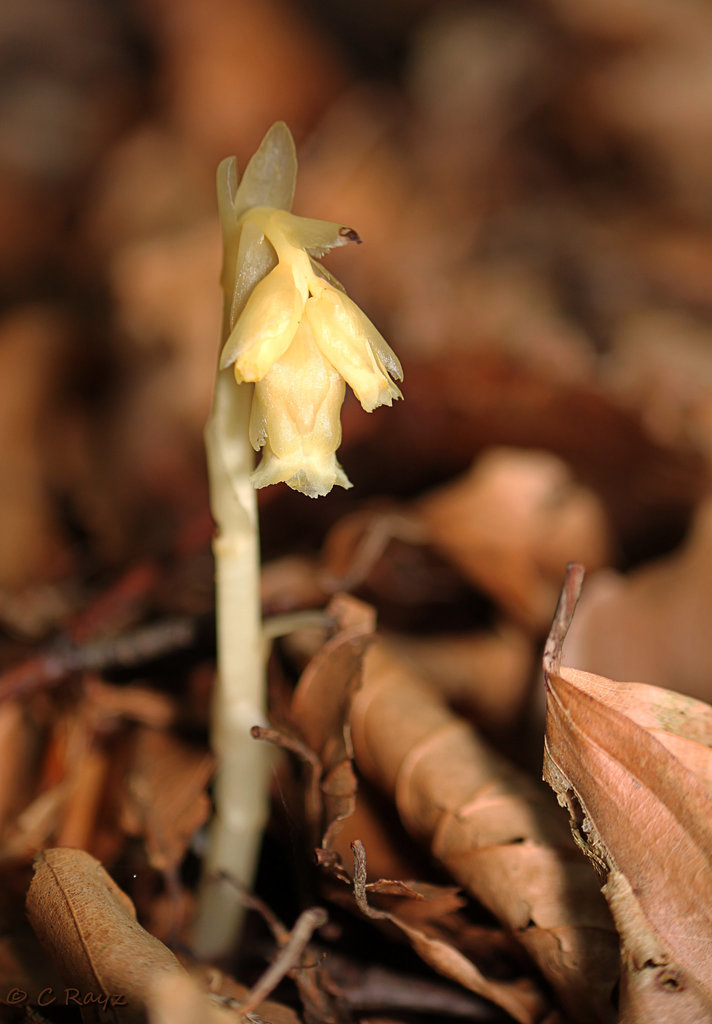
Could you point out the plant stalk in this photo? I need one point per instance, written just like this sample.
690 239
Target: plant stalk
241 787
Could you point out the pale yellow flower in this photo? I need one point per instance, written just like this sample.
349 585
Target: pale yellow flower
292 331
299 436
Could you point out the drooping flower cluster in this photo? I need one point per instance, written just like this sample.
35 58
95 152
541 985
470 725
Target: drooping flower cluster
299 338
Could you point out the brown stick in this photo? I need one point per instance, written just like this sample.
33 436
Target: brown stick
563 616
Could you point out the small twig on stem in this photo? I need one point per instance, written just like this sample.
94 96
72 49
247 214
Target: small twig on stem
312 796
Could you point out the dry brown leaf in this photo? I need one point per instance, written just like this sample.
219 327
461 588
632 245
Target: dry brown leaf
322 721
108 963
225 987
493 829
513 523
19 739
165 798
488 674
386 857
135 703
179 1000
320 711
65 796
654 624
89 928
31 342
521 1001
633 764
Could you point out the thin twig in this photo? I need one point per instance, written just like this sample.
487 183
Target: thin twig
253 902
126 651
276 626
568 599
312 797
380 989
287 960
360 883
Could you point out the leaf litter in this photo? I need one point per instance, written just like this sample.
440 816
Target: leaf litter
538 234
617 753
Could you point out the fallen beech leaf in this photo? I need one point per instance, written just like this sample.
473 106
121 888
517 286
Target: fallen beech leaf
486 674
18 741
320 711
135 703
388 855
225 987
521 1001
68 789
165 798
654 624
89 928
513 523
179 1000
490 826
633 764
322 721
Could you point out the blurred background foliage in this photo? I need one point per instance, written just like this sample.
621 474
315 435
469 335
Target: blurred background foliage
531 181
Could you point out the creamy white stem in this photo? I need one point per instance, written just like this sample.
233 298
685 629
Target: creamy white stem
241 788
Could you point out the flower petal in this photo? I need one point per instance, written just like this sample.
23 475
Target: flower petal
271 174
266 326
295 418
326 275
317 237
253 261
314 477
354 347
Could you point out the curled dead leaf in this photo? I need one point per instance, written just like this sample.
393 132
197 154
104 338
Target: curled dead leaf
320 711
653 624
521 1001
633 765
512 523
407 740
486 674
491 827
89 928
165 800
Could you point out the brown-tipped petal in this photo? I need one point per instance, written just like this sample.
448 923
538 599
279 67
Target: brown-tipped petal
317 237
